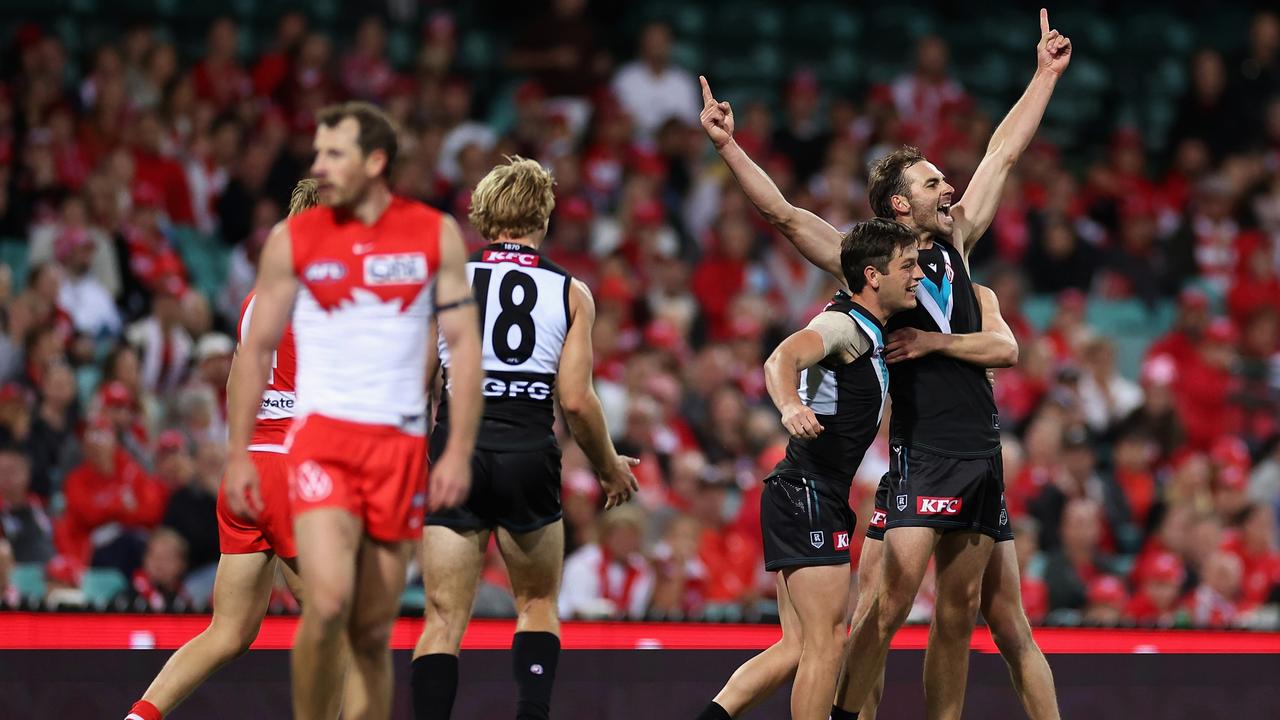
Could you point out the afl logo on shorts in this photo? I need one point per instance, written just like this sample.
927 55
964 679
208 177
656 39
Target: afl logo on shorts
311 482
816 539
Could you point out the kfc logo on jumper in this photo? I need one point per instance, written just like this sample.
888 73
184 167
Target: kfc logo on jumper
312 482
397 269
842 540
519 258
937 505
878 519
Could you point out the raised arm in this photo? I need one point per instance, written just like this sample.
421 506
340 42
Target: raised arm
581 405
993 347
974 212
803 349
274 294
459 326
814 237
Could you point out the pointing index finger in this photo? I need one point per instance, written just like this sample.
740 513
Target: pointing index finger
1044 22
707 97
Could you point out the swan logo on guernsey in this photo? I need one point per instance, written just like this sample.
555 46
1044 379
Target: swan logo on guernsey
313 483
395 269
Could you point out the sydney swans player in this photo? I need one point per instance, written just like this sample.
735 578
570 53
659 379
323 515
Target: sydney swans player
946 479
249 546
358 274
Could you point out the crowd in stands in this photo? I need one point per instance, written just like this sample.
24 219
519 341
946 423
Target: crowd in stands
1144 494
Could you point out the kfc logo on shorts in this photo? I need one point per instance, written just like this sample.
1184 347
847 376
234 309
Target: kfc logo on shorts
902 503
395 269
842 540
878 519
937 505
312 483
519 258
816 539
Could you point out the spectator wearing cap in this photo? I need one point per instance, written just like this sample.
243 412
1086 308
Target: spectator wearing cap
193 499
1069 570
1215 602
1158 415
609 578
82 294
1206 386
51 442
48 239
1231 464
1253 540
117 406
110 500
1159 580
212 358
570 241
1107 599
652 89
152 260
23 519
163 343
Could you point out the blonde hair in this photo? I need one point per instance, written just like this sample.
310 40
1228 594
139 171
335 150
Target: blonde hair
306 194
515 198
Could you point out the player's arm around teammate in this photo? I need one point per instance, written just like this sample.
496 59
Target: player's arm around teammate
993 347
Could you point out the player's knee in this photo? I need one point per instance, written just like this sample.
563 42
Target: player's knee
956 616
1009 627
327 607
370 639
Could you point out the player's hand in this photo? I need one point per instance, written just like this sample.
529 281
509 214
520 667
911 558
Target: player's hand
450 481
244 494
618 482
800 421
1053 53
717 117
909 344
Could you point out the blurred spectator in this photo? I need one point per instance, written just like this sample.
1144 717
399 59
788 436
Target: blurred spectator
1058 259
109 498
680 575
23 519
732 558
803 138
219 78
1208 107
1215 601
1254 542
193 499
1035 594
1182 341
923 97
51 442
1158 415
1106 397
1159 590
1107 599
366 73
50 240
1069 571
609 578
162 341
9 596
91 306
157 584
1206 386
651 89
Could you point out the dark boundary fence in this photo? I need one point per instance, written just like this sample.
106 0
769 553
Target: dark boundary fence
645 684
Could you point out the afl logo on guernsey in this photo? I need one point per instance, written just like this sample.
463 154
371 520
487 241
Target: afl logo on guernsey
396 269
322 271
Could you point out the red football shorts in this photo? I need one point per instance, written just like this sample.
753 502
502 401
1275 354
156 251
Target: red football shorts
376 472
273 528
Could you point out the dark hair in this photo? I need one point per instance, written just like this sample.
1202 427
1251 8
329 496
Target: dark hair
377 131
872 243
886 179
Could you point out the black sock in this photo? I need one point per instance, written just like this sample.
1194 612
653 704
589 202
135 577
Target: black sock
713 711
838 714
533 661
434 682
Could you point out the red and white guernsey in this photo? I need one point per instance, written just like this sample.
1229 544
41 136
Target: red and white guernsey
280 400
362 311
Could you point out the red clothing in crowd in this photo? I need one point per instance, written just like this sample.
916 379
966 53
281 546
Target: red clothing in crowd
1143 610
731 558
716 282
127 496
1178 345
1035 598
1261 572
165 177
222 84
1204 402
